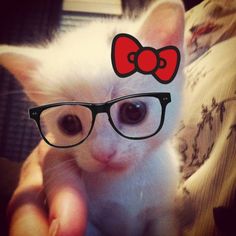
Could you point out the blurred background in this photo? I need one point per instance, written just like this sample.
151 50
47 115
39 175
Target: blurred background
31 22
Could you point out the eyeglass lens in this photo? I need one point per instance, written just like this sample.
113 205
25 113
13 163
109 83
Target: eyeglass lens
137 117
66 125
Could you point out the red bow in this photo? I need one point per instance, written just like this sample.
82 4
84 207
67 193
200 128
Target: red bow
128 56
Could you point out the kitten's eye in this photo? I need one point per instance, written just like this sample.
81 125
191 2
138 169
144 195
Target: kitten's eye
132 113
70 124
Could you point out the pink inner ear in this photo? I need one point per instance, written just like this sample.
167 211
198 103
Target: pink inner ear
22 67
19 65
164 25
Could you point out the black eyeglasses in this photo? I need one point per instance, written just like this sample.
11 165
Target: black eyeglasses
67 124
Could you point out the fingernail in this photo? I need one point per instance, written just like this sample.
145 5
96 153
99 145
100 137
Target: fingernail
54 227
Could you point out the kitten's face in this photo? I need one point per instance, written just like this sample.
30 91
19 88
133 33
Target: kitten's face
78 67
92 79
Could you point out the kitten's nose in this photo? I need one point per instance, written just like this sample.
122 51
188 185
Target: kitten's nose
104 156
103 140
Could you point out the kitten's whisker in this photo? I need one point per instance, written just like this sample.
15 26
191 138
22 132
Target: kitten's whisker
38 93
48 181
11 93
23 93
59 165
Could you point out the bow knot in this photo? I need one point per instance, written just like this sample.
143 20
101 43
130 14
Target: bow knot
128 56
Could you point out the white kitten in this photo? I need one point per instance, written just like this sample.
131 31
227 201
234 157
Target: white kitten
132 193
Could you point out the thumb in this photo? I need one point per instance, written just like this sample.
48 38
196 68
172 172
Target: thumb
66 195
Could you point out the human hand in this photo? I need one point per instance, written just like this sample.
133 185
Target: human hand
50 198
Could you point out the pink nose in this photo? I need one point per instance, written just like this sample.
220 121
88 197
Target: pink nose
104 157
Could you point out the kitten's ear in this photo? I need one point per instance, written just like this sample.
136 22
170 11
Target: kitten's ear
21 62
163 24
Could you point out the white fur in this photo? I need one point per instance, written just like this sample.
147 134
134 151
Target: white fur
138 185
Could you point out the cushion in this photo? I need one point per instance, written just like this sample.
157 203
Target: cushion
207 134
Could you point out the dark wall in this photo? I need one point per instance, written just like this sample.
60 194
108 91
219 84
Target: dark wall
21 22
28 21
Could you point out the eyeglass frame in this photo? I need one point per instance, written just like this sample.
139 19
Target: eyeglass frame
96 108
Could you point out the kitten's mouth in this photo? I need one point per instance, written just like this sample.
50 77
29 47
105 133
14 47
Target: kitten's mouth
112 166
115 167
97 166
